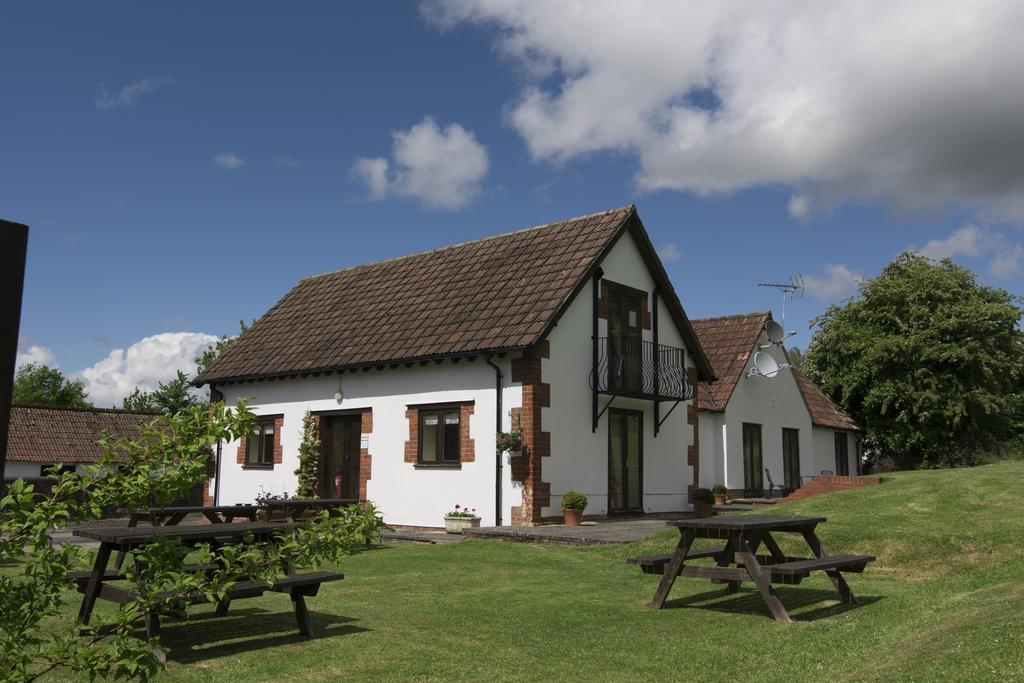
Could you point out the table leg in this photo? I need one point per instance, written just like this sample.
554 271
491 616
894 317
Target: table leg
777 555
133 519
213 517
727 557
176 519
761 580
672 569
845 594
92 589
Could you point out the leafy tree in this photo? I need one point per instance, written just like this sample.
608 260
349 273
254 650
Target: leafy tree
172 396
930 362
309 458
42 385
214 350
165 461
796 356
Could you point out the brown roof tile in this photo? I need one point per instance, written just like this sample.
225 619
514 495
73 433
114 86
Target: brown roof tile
824 412
56 434
728 342
498 293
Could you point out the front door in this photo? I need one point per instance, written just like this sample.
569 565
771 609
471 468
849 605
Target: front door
791 457
753 480
625 460
625 372
340 471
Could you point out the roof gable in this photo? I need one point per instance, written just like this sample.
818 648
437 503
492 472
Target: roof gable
824 413
53 434
499 293
728 342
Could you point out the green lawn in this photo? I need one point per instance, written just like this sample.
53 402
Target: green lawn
945 601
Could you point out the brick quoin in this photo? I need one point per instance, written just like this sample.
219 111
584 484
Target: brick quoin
527 467
693 419
365 460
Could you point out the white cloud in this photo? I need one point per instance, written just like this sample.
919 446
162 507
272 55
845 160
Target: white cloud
443 168
228 160
129 94
669 252
836 282
975 242
36 354
1007 263
799 206
144 364
912 104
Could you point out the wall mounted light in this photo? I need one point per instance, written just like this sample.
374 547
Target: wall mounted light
339 395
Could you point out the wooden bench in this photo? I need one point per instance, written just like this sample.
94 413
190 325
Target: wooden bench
655 564
298 586
796 571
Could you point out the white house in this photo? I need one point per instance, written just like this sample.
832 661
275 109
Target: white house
570 330
750 423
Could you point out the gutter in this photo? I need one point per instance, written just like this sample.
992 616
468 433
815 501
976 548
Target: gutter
497 428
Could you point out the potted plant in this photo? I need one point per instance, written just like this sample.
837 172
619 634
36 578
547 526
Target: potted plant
461 518
573 503
704 502
720 494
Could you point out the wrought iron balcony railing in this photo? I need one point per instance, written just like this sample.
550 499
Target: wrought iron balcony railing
627 366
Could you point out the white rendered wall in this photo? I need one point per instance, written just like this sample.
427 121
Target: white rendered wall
825 451
29 470
711 427
579 458
773 403
405 494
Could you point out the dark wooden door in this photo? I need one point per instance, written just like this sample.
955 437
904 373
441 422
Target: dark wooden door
341 435
842 455
625 460
625 339
791 457
753 472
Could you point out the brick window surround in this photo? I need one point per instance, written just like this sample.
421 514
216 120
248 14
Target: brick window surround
243 444
467 446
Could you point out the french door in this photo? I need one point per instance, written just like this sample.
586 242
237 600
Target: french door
625 460
791 458
753 469
339 474
625 340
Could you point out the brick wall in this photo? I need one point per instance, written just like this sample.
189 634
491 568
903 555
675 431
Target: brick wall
528 466
827 483
693 418
366 427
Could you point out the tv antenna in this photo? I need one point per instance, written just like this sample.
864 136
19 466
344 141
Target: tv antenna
791 290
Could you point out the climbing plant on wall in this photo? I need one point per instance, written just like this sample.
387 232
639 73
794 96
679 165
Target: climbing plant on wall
309 457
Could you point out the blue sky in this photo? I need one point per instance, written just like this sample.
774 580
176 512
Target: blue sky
181 165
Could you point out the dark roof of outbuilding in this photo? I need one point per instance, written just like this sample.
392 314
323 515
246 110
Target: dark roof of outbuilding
824 413
58 434
497 294
727 341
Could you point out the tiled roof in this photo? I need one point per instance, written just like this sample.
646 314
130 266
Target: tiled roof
500 293
55 434
824 412
728 342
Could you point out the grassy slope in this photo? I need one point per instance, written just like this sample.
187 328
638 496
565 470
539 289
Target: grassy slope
944 601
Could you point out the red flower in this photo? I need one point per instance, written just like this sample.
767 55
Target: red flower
456 507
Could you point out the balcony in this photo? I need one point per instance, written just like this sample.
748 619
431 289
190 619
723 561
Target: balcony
631 367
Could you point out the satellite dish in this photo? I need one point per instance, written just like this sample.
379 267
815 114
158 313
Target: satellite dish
765 366
774 332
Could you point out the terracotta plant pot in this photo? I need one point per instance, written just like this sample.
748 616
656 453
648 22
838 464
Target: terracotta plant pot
456 525
721 498
704 509
572 517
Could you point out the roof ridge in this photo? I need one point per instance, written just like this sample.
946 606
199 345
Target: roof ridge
734 315
90 409
467 242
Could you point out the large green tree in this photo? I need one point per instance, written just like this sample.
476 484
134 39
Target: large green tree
42 385
171 396
928 360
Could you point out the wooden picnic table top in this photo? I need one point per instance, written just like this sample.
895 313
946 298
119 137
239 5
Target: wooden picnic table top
747 522
126 536
177 509
310 502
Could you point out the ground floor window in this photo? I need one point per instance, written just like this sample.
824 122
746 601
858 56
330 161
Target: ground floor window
791 457
260 450
753 469
439 436
842 455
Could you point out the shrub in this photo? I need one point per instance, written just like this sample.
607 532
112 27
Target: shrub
703 497
574 500
719 488
462 511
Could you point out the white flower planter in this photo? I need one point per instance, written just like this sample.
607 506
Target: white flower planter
455 525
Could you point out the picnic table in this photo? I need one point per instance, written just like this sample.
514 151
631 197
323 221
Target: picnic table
96 583
743 535
294 507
